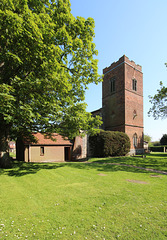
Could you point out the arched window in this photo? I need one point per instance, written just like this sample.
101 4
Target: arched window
135 140
112 84
134 84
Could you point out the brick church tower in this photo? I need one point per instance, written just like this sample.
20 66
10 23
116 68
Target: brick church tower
122 100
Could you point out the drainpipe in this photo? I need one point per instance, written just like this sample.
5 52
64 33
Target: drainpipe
29 156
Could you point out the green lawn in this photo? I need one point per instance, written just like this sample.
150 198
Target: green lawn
13 155
84 200
157 161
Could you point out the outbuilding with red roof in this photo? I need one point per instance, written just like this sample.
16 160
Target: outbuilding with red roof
45 149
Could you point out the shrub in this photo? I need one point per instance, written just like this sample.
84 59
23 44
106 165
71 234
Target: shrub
108 143
155 143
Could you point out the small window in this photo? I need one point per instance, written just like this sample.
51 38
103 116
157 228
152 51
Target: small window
113 84
135 140
134 114
134 84
42 151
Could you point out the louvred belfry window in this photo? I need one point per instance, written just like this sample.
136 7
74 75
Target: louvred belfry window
134 84
112 84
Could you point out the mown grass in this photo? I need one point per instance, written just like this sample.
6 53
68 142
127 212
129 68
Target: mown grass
82 201
157 161
12 154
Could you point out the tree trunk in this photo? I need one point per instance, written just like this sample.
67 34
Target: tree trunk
5 159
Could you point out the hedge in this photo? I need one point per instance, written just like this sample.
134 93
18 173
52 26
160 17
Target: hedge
109 143
157 148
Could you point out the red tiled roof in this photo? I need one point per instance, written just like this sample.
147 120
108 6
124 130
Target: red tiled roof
44 140
12 144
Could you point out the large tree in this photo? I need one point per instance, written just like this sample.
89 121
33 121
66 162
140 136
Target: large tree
163 140
147 138
47 59
159 103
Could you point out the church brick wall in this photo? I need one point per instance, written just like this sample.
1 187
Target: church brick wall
123 108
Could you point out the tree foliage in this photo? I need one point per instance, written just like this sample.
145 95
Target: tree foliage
163 140
159 103
147 138
47 60
109 143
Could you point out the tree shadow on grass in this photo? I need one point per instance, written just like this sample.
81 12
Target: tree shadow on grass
20 169
158 154
106 167
112 164
138 161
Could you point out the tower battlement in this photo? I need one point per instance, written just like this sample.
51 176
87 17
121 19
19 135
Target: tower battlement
122 60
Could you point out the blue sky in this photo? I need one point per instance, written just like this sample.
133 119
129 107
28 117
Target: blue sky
138 30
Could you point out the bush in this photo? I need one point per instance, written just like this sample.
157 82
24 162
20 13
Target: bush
157 143
107 143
